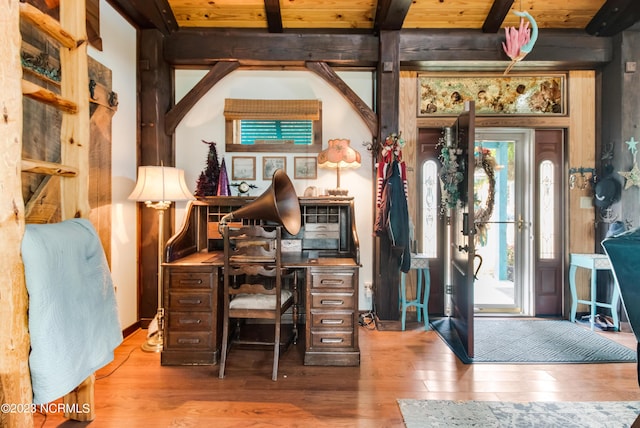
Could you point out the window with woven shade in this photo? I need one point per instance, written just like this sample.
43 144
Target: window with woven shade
273 125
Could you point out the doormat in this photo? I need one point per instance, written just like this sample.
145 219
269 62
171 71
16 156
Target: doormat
440 413
533 341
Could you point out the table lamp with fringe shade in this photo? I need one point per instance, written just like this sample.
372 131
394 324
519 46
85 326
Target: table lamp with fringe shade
158 187
339 155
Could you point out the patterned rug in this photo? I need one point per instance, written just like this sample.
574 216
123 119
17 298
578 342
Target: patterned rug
534 341
490 414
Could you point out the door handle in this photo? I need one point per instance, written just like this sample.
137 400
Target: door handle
520 223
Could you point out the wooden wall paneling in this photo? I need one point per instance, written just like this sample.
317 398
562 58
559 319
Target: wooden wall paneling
14 335
100 193
581 153
408 105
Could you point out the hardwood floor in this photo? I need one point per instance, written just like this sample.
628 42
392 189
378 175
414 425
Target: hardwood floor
136 391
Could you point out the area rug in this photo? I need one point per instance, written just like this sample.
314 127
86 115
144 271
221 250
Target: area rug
534 341
486 414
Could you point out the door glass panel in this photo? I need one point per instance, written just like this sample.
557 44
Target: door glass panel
430 209
495 238
546 211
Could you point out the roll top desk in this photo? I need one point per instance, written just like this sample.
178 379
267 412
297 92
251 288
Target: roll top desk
326 253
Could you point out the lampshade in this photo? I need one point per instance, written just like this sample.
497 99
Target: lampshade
339 154
160 183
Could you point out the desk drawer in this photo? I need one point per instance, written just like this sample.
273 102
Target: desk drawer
332 279
191 301
331 339
331 320
332 301
193 340
191 280
189 321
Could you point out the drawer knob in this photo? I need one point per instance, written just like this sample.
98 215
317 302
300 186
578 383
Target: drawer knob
332 302
331 340
184 341
190 281
189 321
331 322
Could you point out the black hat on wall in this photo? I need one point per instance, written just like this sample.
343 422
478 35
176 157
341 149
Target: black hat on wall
606 192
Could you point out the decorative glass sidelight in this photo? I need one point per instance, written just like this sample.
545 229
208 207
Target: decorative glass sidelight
546 211
430 208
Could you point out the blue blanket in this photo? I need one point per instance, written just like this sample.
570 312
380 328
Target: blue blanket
73 317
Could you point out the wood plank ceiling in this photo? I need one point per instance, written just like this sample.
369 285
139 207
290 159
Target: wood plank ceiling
596 17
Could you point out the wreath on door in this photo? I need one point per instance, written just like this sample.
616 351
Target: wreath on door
484 209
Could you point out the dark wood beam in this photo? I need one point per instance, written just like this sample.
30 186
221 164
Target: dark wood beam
204 47
274 17
418 48
613 17
323 70
217 72
386 264
495 18
390 14
155 98
568 47
147 14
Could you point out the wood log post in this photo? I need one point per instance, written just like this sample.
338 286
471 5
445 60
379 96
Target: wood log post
79 403
75 129
15 381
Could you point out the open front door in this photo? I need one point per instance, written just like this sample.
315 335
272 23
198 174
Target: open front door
461 240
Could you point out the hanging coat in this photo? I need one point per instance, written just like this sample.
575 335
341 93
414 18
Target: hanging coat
392 217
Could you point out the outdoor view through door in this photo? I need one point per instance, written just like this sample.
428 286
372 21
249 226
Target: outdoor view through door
502 183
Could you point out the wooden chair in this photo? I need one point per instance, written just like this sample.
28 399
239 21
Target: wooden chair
253 289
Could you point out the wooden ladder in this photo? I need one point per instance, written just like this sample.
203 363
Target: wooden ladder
73 168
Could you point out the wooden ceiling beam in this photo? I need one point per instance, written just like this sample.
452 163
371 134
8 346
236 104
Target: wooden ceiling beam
323 70
215 74
204 47
613 17
147 14
496 16
390 15
554 47
274 17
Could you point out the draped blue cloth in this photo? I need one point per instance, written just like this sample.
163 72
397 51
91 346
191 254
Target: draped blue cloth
73 317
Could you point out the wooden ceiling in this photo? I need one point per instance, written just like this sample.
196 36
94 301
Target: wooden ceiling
597 17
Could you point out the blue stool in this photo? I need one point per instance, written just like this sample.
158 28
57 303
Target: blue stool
419 263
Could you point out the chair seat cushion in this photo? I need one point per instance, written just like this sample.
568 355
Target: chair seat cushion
259 301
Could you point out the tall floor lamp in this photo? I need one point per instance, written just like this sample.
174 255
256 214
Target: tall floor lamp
157 187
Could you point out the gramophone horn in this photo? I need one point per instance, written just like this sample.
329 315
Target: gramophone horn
279 203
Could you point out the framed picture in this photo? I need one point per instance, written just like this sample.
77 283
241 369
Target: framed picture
243 168
270 164
305 167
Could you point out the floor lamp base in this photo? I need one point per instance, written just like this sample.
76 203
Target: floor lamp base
153 344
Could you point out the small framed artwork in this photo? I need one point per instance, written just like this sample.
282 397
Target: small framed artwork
305 167
243 168
270 164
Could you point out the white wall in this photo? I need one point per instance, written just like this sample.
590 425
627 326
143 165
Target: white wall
119 55
205 121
